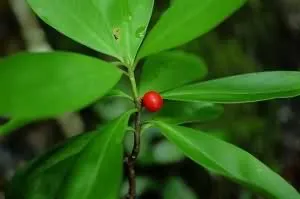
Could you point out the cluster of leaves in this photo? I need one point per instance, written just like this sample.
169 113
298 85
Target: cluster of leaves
36 86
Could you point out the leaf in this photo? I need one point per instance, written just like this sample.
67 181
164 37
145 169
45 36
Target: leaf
177 189
186 20
113 27
187 112
228 160
119 93
42 85
250 87
46 169
97 173
165 71
12 125
87 166
165 152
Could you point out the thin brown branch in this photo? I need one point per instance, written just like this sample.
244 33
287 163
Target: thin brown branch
130 160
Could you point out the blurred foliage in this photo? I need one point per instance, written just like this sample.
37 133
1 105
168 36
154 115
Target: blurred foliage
177 189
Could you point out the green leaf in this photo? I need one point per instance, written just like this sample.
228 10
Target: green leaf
119 93
250 87
12 125
87 166
186 20
228 160
113 27
97 173
187 112
42 85
46 169
165 71
177 189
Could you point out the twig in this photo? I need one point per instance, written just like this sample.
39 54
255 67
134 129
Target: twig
130 160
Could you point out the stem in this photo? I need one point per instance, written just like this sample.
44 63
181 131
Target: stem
130 160
133 87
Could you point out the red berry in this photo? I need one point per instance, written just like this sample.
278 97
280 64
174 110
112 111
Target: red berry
152 101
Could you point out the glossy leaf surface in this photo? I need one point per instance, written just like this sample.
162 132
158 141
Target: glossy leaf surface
188 112
228 160
87 166
250 87
113 27
169 70
41 85
186 20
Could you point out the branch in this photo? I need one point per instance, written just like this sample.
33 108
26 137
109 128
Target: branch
130 160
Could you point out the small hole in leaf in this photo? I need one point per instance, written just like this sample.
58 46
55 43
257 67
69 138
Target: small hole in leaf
117 33
140 32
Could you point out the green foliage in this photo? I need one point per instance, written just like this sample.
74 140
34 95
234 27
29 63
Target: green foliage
164 71
11 125
188 112
42 85
113 27
118 93
225 159
36 178
87 166
35 86
185 21
224 57
162 152
250 87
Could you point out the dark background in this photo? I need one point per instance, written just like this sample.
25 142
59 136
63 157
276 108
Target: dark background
262 36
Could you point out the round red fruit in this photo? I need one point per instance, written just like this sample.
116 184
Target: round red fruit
152 101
